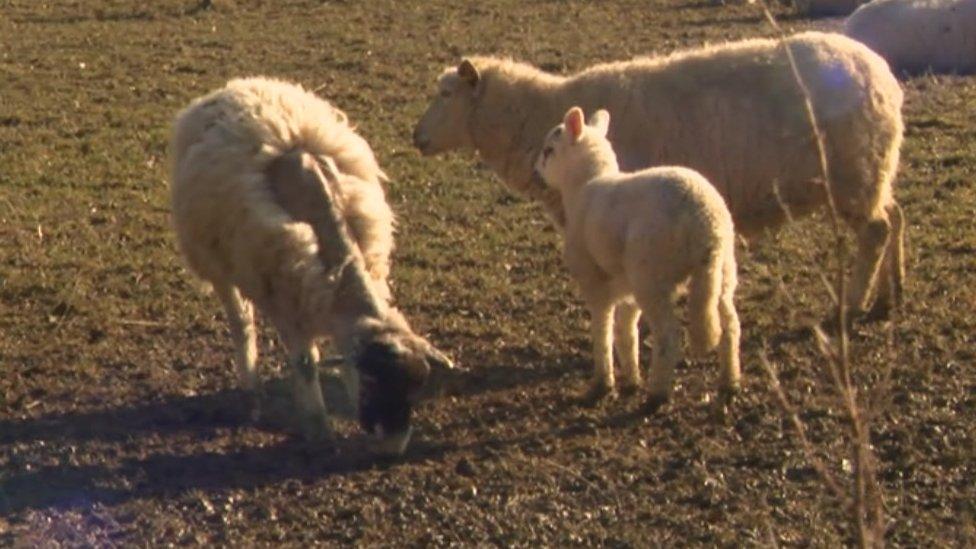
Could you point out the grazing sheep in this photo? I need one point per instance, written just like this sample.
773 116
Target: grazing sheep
919 35
733 112
639 237
278 202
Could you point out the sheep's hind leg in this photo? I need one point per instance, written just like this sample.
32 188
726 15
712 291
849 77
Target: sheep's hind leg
666 335
872 237
892 273
728 346
240 316
601 328
626 342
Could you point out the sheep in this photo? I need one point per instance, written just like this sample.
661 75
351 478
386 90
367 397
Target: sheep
278 205
733 112
919 35
632 240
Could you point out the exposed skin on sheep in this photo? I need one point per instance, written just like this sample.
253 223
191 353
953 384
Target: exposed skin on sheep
733 112
632 242
279 205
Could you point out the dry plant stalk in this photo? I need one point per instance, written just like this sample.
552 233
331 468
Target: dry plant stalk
866 505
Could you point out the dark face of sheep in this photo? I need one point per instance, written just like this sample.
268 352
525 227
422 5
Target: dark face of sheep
393 375
444 126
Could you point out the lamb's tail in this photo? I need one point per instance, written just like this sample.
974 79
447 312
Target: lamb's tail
704 292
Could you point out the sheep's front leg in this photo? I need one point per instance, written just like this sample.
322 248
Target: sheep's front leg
601 328
240 316
303 358
309 404
626 342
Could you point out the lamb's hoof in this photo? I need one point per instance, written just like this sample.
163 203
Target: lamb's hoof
724 404
596 393
628 387
653 404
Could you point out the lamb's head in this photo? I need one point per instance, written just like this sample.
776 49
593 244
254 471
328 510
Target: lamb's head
444 126
389 371
576 151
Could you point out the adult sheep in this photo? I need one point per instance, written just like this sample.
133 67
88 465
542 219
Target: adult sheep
919 35
733 112
277 202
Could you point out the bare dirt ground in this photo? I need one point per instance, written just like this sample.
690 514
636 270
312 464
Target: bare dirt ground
120 423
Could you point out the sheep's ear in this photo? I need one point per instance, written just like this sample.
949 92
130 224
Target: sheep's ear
574 123
439 368
468 73
600 121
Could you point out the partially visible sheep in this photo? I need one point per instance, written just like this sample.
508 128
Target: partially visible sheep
640 237
919 35
733 112
278 202
827 8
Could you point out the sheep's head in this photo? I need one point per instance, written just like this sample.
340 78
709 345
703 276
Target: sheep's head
574 147
393 369
444 126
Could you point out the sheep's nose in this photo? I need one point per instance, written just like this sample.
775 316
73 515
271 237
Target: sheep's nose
420 141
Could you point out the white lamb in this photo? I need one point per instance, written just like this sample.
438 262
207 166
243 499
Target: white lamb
640 237
733 112
268 184
919 35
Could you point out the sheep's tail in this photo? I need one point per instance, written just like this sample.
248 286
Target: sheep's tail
704 291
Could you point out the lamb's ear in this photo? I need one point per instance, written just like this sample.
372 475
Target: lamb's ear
574 123
468 73
600 121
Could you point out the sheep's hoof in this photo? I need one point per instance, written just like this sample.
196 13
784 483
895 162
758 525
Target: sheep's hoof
254 409
317 429
654 403
830 324
629 387
724 403
596 393
880 312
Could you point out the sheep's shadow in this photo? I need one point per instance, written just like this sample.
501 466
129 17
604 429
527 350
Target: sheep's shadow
521 366
26 485
172 474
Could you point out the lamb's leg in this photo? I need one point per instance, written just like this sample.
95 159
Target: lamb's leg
666 334
303 359
728 345
892 273
601 329
240 316
872 237
626 342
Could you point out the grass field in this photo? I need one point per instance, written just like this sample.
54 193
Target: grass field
119 415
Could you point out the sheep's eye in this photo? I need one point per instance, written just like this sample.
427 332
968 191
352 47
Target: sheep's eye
547 152
445 93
